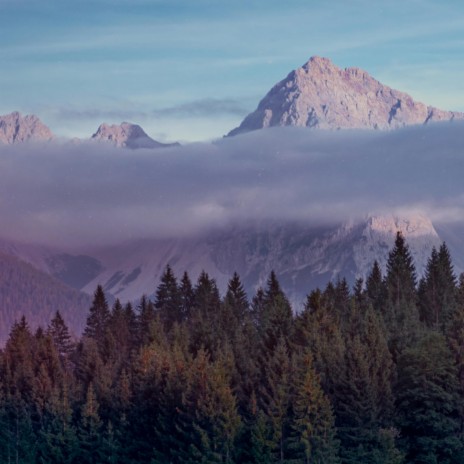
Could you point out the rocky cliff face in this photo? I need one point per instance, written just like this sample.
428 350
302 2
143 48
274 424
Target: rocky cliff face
321 95
302 256
15 128
126 135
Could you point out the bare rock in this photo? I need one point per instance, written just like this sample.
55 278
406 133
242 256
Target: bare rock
127 135
15 128
321 95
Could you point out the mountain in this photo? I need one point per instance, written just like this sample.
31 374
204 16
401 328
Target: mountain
321 95
302 256
24 290
127 135
74 270
15 128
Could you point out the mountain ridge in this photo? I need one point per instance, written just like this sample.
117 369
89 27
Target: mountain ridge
15 128
127 135
320 95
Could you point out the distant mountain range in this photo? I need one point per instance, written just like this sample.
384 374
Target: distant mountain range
319 95
302 256
15 128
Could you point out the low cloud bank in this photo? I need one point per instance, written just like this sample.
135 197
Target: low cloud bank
92 194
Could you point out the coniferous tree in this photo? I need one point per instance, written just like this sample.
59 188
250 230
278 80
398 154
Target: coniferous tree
276 321
363 397
187 296
376 288
98 319
437 290
90 430
274 397
145 319
61 337
168 299
318 330
235 307
204 321
429 402
312 435
208 419
400 312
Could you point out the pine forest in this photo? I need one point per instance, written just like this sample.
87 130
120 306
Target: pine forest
372 374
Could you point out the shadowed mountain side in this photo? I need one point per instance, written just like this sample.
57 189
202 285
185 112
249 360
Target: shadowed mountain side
27 291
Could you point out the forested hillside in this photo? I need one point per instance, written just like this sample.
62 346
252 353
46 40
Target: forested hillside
373 374
26 291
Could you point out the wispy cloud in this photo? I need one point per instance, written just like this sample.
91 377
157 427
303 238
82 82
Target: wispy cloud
207 107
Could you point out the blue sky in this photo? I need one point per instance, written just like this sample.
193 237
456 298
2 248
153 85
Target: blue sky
191 70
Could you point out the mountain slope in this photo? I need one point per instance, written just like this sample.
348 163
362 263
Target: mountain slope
302 256
321 95
15 128
24 290
127 135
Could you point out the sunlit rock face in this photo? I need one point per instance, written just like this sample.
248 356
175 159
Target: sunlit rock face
126 135
15 128
320 95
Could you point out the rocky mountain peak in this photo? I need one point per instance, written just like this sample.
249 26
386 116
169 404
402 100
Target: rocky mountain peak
412 225
323 96
15 128
126 135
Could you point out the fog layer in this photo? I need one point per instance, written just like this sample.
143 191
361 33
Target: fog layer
92 194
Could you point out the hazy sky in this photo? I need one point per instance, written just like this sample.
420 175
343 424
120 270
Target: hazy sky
190 70
96 194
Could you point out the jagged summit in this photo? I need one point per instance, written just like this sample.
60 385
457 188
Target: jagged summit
321 95
15 128
127 135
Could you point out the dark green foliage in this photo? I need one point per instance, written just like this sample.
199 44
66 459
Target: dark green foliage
354 378
376 289
400 311
363 398
59 333
437 290
312 434
204 320
168 299
145 319
98 320
429 402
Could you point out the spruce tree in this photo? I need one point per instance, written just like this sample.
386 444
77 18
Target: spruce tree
363 397
145 319
168 299
429 402
61 337
400 313
376 288
437 290
98 319
90 430
312 435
